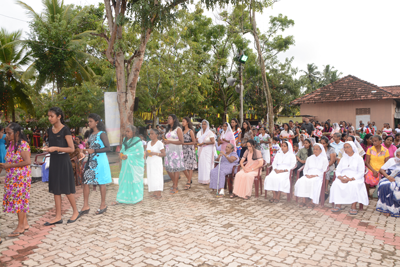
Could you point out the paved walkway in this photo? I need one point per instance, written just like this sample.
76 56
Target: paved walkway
194 228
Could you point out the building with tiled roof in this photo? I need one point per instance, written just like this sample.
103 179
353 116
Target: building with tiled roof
352 100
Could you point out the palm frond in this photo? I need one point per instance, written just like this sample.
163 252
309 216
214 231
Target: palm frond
30 12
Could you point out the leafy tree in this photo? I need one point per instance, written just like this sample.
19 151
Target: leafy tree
13 56
57 44
313 79
147 16
173 73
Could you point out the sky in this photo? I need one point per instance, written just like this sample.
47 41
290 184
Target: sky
357 37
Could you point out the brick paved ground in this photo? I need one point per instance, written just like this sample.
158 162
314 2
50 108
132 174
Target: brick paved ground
194 228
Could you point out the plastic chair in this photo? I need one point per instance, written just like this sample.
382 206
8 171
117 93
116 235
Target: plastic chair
360 206
288 195
322 193
257 179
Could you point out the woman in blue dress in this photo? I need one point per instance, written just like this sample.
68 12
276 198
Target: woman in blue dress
2 145
97 168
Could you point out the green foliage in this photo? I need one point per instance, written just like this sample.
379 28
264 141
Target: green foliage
13 56
312 79
77 103
57 41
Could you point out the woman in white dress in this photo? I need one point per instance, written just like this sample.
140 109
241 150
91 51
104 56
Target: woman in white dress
348 187
265 140
279 179
309 186
206 143
154 164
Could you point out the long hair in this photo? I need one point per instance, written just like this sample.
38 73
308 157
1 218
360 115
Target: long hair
100 124
248 128
190 124
253 144
16 128
237 125
309 150
174 125
58 111
326 140
329 126
366 137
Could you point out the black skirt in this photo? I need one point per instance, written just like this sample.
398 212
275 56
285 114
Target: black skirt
61 175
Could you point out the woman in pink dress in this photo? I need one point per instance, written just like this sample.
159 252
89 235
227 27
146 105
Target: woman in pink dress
245 178
388 143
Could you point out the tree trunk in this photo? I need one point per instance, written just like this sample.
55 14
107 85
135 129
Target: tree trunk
225 112
266 90
154 112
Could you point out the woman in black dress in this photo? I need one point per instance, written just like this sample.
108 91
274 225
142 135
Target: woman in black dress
61 174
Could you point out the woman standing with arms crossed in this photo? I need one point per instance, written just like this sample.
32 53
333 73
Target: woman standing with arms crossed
155 152
237 133
61 174
174 153
189 156
130 181
97 169
17 184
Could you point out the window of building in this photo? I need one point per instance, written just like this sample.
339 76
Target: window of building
363 111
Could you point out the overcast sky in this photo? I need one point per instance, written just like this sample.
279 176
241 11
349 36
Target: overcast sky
357 37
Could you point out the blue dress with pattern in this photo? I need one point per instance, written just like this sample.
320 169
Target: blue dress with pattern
97 168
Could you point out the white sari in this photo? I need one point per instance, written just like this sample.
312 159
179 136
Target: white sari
353 191
205 154
311 187
283 161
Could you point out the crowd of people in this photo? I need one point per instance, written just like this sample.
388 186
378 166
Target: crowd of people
352 160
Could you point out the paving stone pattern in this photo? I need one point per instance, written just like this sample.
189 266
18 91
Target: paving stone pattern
194 228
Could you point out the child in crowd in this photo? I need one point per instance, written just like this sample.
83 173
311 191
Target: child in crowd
295 148
275 146
143 141
256 139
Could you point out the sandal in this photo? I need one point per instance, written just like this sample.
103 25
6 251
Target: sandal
335 209
15 234
188 186
233 196
246 198
220 195
276 200
271 200
353 212
157 197
173 192
99 211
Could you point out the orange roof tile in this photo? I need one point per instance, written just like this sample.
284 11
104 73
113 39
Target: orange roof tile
348 88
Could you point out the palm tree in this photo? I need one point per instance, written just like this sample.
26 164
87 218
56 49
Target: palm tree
55 11
13 56
311 77
329 75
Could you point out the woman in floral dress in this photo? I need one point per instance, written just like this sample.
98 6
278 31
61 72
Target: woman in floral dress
173 161
189 155
17 184
97 169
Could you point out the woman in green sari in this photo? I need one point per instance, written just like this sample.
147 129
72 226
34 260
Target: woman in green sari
131 176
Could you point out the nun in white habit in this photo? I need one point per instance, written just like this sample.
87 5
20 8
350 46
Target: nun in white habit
278 180
349 187
309 186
